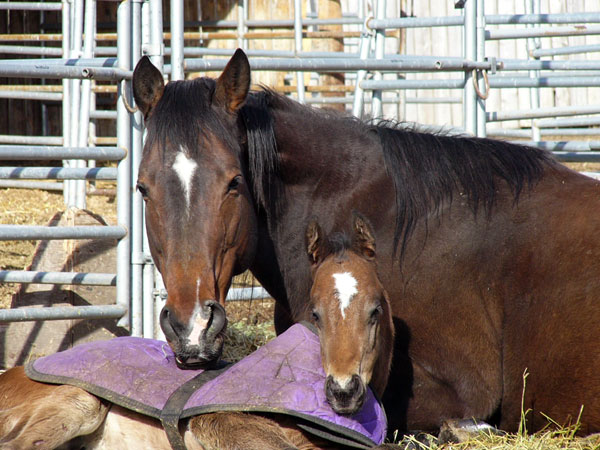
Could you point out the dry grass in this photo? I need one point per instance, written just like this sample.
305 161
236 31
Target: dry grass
560 439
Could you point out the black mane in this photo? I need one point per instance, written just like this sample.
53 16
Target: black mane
427 169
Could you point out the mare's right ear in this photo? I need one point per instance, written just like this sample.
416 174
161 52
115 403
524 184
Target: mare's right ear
148 86
314 242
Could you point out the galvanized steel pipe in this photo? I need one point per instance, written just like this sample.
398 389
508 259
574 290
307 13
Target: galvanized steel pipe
42 232
62 313
75 278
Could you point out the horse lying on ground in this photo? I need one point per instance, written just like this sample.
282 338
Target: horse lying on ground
47 416
489 250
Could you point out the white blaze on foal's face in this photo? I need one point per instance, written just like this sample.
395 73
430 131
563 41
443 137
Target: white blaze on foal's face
185 167
345 288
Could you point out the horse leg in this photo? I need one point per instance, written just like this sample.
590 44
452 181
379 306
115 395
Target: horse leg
44 416
236 430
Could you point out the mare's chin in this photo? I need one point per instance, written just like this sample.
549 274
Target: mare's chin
195 363
205 356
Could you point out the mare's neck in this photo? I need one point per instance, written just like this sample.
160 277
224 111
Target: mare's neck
316 144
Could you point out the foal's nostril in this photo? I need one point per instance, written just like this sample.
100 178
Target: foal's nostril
347 399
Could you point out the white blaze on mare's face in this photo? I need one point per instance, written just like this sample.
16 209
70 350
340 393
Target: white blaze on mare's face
185 167
345 286
197 322
197 325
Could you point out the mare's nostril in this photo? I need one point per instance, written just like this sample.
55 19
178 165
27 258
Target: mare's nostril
166 325
217 321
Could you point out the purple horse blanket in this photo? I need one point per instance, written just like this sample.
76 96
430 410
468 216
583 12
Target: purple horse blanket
284 376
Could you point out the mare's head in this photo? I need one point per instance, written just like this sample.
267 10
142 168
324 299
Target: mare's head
352 313
200 218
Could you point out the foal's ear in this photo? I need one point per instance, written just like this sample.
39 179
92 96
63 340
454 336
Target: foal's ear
364 238
314 241
148 86
234 83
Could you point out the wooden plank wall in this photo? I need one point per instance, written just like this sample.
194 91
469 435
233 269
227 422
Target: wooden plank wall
447 42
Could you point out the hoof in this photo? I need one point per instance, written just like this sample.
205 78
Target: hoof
462 430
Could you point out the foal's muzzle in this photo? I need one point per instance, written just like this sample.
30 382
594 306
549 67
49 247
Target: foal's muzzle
345 400
206 352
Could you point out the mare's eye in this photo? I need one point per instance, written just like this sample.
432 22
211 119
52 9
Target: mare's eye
315 317
143 189
235 183
375 314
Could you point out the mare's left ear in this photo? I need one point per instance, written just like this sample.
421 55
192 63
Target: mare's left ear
234 83
314 241
364 237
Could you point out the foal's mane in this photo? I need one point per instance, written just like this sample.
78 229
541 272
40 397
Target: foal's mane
427 168
336 244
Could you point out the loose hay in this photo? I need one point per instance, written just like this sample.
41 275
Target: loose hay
560 439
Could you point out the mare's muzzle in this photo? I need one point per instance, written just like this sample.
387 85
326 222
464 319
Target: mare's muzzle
205 353
345 400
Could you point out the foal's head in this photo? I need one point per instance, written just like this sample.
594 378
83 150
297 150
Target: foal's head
351 311
200 216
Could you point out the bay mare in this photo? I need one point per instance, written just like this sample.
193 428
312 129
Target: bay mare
489 250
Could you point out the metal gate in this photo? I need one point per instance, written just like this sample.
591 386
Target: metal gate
376 81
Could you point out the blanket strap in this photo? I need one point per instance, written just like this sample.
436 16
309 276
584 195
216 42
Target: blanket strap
172 410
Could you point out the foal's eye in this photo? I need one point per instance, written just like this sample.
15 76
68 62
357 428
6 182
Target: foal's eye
375 314
141 187
234 184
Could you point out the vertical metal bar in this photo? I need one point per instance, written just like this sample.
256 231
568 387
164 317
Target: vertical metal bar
245 6
470 96
177 72
533 7
137 223
359 95
298 48
241 20
86 92
377 103
152 32
124 166
156 48
76 45
66 85
481 118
